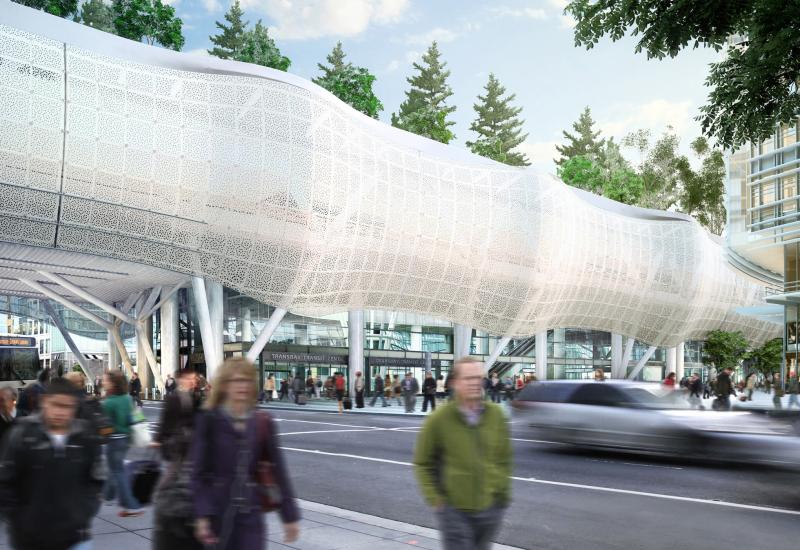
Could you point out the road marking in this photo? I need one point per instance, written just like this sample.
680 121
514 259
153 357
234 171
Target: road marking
537 441
330 431
326 423
576 485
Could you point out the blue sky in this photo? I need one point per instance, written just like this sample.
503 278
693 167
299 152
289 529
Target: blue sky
528 44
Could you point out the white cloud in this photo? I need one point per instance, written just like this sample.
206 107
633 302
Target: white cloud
655 115
412 56
305 19
438 34
568 22
560 4
212 5
532 13
540 154
392 66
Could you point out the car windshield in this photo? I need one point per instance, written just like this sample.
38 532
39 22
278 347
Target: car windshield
656 398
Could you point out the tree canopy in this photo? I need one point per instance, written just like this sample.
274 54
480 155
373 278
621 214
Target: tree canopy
753 89
96 14
768 358
724 349
424 111
259 48
148 20
351 84
230 40
498 126
61 8
583 142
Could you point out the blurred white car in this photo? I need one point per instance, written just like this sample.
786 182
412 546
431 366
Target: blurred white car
649 419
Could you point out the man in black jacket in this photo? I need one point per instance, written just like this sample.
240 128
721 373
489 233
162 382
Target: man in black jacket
136 389
379 388
724 389
51 475
428 392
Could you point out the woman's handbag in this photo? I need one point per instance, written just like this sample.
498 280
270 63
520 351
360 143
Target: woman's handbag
140 433
269 492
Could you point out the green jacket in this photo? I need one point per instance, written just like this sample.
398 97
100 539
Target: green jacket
118 409
466 467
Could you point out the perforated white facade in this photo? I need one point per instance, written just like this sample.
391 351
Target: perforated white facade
270 185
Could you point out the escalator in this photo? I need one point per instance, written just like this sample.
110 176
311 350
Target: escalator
519 348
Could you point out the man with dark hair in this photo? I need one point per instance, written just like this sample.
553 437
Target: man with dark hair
135 388
29 398
466 439
724 389
51 471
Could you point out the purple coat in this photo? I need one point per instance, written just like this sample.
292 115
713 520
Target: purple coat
214 455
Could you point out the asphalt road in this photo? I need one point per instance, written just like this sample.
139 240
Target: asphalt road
562 499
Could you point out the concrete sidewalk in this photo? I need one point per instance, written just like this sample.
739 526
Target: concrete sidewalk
322 528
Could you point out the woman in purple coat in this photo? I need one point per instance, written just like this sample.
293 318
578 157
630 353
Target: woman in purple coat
230 440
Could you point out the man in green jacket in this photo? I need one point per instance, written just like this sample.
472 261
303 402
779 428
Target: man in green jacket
463 462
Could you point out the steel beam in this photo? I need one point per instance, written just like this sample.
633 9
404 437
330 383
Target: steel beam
266 333
498 349
68 339
81 293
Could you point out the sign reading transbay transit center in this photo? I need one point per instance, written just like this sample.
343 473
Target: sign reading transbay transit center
288 357
268 184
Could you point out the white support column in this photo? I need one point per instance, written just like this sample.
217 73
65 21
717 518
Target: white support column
114 359
212 360
616 353
416 338
541 355
247 325
170 346
66 303
146 366
671 360
81 293
266 333
679 362
117 337
642 362
622 368
69 341
216 316
462 340
355 343
498 349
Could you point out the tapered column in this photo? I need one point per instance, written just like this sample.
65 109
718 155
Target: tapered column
616 354
170 346
679 362
216 316
355 344
541 355
144 333
462 340
672 354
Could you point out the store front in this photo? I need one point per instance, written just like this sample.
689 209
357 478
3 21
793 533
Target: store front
285 364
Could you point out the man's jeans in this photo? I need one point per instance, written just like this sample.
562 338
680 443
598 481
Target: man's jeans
469 530
793 400
375 399
118 483
411 401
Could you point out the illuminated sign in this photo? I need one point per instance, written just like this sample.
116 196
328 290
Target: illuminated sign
18 341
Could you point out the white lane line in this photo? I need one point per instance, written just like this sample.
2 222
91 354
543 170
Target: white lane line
328 431
578 485
537 441
326 423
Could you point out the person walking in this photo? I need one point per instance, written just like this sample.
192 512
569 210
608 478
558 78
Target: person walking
174 517
118 407
779 391
51 475
495 388
8 410
29 400
269 387
136 389
793 388
359 389
97 387
379 388
669 381
466 439
441 389
310 386
233 445
170 386
750 386
410 389
723 388
695 386
297 388
284 393
428 392
388 388
339 384
599 375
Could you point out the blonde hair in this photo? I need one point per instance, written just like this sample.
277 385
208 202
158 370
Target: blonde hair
229 369
77 379
465 360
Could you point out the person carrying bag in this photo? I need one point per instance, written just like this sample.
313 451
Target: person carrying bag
238 472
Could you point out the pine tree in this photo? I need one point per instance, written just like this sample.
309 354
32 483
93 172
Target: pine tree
584 142
148 20
498 126
230 41
257 47
96 14
424 112
353 85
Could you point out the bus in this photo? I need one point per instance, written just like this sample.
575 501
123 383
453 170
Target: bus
19 360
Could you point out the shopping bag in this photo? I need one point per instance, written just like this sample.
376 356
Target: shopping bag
143 476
